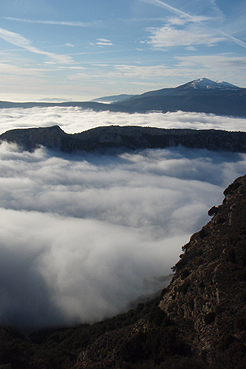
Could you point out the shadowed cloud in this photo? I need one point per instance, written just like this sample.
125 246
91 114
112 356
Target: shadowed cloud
83 236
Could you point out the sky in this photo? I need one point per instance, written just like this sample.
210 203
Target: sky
85 49
82 237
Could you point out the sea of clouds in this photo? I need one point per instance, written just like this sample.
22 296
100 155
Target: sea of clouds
75 119
82 236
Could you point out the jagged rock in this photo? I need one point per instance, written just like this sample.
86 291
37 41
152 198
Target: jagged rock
214 210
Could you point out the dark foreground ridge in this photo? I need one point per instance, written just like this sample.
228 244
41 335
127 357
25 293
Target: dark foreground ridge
127 137
198 322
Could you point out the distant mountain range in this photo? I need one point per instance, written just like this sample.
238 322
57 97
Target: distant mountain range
201 95
125 138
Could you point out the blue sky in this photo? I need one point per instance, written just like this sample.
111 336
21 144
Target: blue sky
83 49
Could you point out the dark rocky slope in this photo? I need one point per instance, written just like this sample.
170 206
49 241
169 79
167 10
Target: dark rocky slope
127 137
207 296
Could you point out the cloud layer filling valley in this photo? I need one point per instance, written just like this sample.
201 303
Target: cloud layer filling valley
73 119
83 236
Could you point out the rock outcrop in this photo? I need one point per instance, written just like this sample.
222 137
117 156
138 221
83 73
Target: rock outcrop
31 138
207 296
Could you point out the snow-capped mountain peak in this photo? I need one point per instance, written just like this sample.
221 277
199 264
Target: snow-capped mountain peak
208 84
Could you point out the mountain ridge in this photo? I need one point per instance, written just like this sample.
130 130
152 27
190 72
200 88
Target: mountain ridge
205 83
126 138
201 84
202 96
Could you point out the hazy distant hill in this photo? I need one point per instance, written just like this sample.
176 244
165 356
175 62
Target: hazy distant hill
201 95
96 106
111 99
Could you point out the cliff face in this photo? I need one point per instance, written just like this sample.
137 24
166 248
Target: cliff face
207 296
130 138
31 138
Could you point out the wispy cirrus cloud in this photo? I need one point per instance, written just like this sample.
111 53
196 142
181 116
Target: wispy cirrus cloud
172 9
235 40
58 23
208 7
169 36
215 66
20 41
7 69
141 71
183 30
201 32
222 62
104 42
179 21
